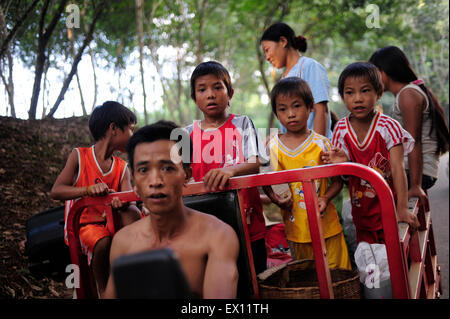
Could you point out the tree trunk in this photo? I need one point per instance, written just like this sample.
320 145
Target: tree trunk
72 51
91 54
140 28
199 57
77 58
179 89
45 103
43 39
264 79
9 84
155 59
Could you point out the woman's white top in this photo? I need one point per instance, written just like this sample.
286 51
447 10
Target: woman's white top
429 143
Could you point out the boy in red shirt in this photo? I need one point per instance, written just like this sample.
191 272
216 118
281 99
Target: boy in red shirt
226 145
371 138
94 171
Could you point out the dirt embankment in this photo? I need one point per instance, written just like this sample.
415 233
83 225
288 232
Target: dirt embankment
32 153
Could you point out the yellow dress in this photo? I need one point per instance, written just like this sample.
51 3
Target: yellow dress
296 221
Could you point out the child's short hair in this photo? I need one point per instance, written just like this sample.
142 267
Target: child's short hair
292 86
161 130
109 112
361 70
211 67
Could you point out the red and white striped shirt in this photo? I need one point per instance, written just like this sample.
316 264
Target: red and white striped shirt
383 134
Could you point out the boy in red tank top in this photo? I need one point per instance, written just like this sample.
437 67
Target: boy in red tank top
94 171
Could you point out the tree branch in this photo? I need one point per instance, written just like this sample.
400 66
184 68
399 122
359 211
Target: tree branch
16 28
87 40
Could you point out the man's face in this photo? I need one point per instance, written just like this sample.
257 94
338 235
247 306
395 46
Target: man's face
159 176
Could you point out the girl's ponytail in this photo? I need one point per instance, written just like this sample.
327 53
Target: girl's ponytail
300 43
438 121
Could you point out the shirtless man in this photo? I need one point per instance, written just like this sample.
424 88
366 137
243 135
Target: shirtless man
207 248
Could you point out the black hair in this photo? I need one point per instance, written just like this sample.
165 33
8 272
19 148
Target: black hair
292 86
361 70
109 112
211 67
280 29
161 130
394 62
334 119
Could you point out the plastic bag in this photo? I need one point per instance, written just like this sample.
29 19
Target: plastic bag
373 267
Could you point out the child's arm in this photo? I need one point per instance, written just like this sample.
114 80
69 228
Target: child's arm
63 188
129 212
335 156
331 192
218 177
283 203
401 187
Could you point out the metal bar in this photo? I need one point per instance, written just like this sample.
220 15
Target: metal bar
433 291
429 272
415 279
421 216
110 223
397 266
432 243
85 290
415 251
318 242
248 244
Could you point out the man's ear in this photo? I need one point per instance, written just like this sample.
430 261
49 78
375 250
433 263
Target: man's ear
188 173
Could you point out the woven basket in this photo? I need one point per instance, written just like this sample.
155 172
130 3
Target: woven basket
294 281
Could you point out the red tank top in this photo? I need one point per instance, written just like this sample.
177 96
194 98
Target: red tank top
231 148
89 173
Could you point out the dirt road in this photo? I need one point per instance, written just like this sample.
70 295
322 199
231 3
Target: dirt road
439 195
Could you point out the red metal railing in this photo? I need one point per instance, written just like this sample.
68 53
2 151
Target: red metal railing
424 271
397 263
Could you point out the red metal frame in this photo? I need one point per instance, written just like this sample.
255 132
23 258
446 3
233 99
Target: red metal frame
398 265
87 287
419 246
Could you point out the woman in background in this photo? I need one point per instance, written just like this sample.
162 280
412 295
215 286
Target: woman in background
419 112
284 50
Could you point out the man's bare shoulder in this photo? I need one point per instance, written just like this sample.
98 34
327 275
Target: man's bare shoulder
209 222
128 233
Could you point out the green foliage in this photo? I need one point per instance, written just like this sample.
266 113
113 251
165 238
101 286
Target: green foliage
229 31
